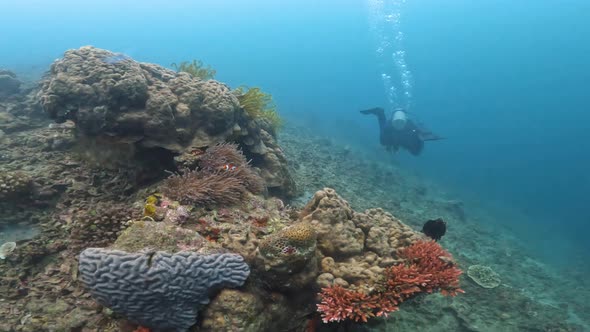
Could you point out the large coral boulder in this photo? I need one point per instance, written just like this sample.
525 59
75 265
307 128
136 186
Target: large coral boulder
112 96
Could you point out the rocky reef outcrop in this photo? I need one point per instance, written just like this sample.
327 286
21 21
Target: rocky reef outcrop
9 83
115 99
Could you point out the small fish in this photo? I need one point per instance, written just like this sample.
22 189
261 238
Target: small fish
435 229
228 167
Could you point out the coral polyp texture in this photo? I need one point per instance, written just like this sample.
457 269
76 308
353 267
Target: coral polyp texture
159 290
112 96
484 276
14 185
299 239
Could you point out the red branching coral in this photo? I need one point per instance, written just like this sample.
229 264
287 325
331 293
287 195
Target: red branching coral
429 268
339 303
432 260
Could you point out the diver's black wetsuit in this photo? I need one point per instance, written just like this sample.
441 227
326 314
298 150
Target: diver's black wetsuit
411 137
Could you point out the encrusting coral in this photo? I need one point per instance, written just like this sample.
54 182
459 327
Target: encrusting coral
14 185
99 225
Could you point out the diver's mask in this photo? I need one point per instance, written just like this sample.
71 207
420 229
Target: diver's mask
399 119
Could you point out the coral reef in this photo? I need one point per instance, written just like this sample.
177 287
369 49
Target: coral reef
6 249
235 310
428 268
98 226
9 84
157 236
14 185
154 109
374 266
287 257
484 276
179 284
201 188
196 68
259 106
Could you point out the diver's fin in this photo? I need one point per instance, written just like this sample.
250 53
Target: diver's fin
376 111
428 136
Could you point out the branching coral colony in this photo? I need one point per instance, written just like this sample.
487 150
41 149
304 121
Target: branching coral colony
223 178
428 268
259 105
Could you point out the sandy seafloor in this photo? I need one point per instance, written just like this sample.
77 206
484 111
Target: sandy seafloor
533 296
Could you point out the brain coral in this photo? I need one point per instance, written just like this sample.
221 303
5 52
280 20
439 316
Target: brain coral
159 290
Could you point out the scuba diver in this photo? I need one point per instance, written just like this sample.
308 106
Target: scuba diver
400 131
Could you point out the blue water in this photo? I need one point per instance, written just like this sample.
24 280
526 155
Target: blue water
505 81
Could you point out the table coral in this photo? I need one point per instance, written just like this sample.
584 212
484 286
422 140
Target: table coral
484 276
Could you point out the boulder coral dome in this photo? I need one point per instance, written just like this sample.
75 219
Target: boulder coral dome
151 107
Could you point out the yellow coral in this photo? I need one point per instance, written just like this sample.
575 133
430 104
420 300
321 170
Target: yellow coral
149 210
259 105
154 199
196 68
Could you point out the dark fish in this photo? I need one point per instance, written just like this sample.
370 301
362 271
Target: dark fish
435 229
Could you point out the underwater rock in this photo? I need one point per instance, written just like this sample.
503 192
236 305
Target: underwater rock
331 216
159 290
287 257
235 310
99 225
9 84
484 276
145 235
152 107
386 235
14 185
